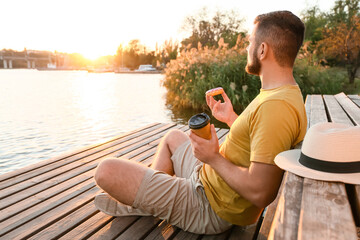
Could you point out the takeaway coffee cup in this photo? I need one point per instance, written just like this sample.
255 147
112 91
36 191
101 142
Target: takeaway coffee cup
200 125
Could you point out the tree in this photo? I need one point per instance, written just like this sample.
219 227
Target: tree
168 51
341 36
344 11
119 57
208 32
314 21
132 55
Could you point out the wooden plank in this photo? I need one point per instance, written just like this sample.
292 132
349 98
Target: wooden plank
35 167
114 228
147 157
140 228
87 229
355 99
285 223
182 235
245 233
91 174
318 113
308 109
145 141
75 160
337 114
357 202
335 111
54 208
353 194
221 236
163 231
34 226
151 145
67 223
325 212
32 213
269 215
350 107
14 194
271 209
11 184
63 188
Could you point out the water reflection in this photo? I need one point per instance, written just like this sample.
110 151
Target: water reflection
46 113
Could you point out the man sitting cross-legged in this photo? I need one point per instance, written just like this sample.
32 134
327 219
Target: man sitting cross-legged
205 188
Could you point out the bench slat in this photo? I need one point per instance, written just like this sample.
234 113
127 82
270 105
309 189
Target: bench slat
350 107
355 99
271 209
325 212
318 113
285 223
335 111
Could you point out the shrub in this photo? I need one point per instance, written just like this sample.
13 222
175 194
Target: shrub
318 79
196 70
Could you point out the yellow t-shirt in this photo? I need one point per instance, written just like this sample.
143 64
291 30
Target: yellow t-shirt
273 122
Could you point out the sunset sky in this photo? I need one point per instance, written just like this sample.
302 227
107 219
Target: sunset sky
97 28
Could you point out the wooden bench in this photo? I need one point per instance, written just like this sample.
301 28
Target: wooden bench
53 199
311 209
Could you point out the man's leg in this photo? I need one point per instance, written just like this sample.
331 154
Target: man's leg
121 178
167 147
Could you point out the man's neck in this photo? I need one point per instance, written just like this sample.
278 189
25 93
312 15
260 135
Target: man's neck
276 76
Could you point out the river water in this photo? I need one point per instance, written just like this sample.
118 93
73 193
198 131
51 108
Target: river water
46 113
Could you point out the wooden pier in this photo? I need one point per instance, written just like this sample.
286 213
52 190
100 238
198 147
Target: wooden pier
53 199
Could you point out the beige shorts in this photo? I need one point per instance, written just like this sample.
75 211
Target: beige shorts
180 199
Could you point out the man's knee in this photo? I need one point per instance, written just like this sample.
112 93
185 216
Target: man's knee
105 171
174 138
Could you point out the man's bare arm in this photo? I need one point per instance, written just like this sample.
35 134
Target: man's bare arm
258 184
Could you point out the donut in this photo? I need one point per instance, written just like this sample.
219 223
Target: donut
215 91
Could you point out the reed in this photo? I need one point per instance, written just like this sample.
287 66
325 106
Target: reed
196 70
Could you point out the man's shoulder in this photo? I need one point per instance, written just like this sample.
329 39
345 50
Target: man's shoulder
285 96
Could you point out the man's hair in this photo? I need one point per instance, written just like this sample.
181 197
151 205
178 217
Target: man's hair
284 32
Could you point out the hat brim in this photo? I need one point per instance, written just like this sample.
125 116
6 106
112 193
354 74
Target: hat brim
289 161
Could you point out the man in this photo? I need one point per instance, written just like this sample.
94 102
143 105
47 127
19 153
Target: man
201 187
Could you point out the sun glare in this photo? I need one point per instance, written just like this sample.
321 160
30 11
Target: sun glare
94 55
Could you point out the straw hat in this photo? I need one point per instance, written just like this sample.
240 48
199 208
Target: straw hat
330 152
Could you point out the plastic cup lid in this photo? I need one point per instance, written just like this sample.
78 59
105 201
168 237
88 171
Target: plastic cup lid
199 121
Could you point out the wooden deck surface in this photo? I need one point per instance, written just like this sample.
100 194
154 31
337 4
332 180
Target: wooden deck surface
53 199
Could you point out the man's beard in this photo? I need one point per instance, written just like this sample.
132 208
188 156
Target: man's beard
255 67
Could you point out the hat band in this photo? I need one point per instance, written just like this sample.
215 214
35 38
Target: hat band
331 167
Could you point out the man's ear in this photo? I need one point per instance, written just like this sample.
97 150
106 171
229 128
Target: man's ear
263 50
